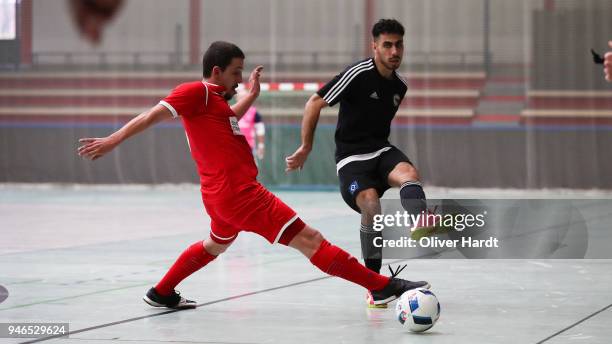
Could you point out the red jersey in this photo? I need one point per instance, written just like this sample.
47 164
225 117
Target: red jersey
223 157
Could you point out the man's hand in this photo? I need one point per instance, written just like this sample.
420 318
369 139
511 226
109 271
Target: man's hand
94 148
261 151
245 100
608 64
254 81
297 160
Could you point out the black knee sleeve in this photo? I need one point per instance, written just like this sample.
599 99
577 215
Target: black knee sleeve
413 197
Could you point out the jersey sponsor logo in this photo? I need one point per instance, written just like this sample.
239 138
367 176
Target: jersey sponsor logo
234 124
374 95
396 100
353 187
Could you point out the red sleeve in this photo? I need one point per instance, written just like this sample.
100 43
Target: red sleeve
185 99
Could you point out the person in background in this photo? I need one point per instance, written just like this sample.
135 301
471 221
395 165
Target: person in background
254 130
608 64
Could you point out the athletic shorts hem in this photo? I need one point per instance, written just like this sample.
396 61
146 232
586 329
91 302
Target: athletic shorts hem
284 227
221 240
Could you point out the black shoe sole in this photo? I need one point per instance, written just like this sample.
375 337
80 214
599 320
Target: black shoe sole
393 297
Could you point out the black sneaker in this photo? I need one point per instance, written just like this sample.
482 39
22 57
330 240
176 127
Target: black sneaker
174 300
395 288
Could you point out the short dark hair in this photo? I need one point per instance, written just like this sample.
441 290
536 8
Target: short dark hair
219 54
387 26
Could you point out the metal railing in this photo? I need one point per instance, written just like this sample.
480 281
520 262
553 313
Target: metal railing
281 59
102 59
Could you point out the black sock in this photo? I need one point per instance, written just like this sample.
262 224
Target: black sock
372 255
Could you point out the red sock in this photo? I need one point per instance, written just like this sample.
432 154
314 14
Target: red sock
337 262
191 260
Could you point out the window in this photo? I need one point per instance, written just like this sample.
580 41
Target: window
7 19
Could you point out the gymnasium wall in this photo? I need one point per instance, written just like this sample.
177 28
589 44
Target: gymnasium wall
141 26
291 25
468 157
462 126
562 41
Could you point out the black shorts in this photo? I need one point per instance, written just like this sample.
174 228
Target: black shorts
367 174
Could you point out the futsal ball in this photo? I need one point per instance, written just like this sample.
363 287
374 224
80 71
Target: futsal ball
418 310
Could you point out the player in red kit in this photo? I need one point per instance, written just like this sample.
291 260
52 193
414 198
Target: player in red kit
233 198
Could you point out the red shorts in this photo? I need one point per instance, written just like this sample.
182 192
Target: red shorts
254 209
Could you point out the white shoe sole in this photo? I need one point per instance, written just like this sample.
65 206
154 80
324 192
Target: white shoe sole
151 302
179 306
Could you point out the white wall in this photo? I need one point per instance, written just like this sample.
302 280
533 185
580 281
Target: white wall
457 25
301 25
284 25
141 26
588 4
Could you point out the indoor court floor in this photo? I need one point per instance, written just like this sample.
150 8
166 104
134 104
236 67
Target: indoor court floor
85 255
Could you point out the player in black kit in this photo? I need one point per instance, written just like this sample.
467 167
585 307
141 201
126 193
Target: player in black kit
369 93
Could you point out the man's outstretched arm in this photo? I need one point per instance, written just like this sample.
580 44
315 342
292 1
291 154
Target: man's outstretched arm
312 112
93 148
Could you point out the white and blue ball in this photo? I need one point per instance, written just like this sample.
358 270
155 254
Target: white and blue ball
418 310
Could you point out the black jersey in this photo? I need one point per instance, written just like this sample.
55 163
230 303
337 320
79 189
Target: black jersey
368 103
